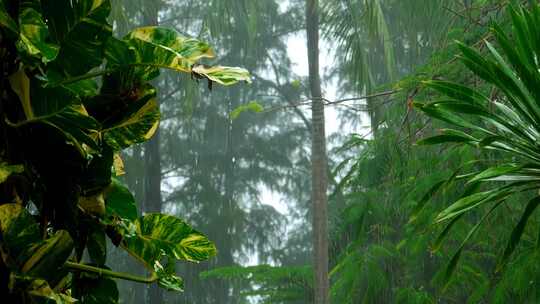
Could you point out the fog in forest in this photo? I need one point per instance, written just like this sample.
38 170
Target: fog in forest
236 162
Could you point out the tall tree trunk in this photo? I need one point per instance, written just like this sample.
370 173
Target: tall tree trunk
135 181
152 160
318 159
152 196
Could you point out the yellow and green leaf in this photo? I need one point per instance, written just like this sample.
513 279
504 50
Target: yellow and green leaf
154 236
18 229
140 122
34 36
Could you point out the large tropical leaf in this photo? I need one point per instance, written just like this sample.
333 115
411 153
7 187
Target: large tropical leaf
119 202
81 29
34 36
167 48
148 49
58 107
154 236
39 290
222 74
47 258
6 170
140 122
74 123
18 229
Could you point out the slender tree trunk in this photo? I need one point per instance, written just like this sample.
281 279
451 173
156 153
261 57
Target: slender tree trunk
152 195
318 159
152 160
152 200
134 179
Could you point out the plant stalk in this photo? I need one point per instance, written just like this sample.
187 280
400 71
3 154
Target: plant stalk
109 273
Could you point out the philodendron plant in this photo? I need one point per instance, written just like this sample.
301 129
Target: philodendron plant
72 96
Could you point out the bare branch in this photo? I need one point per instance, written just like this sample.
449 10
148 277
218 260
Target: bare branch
327 102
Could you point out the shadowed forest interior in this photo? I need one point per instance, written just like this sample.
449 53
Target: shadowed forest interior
269 151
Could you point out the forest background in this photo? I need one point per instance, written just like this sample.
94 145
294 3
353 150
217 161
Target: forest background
243 177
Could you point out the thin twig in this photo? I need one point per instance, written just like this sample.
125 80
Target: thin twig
463 16
328 102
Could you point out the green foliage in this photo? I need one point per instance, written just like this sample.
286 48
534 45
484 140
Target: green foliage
154 236
6 170
63 118
270 284
507 123
252 106
120 202
389 189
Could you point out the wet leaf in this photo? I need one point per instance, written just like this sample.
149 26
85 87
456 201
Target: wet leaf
140 122
167 278
47 258
34 36
39 290
222 74
20 84
518 230
81 29
120 202
252 106
154 236
148 49
6 170
19 230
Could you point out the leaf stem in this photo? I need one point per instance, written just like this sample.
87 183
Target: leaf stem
109 273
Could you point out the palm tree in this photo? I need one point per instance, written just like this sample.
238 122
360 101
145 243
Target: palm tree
379 41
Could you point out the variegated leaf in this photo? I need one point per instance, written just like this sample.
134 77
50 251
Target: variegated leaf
139 125
39 290
74 123
154 236
6 170
165 48
18 229
167 278
147 49
34 36
81 29
58 107
222 74
46 259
